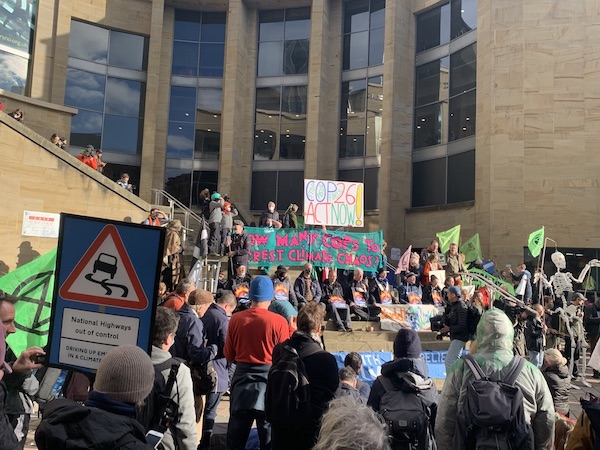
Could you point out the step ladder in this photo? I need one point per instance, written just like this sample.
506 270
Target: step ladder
208 269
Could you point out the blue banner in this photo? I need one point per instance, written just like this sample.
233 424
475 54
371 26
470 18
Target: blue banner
372 362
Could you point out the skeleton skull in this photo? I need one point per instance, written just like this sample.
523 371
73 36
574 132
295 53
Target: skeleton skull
559 260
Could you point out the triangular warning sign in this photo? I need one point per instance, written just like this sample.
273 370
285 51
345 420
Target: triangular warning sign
105 275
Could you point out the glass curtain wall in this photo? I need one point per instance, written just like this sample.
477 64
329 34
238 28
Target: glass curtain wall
361 107
106 82
444 112
17 25
194 128
281 107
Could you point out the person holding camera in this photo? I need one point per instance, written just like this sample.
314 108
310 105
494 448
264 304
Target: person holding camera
155 217
58 141
455 320
124 182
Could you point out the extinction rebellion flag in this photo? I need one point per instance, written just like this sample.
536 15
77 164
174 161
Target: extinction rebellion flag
536 242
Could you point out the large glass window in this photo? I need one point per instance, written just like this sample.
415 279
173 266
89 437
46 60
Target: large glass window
280 122
283 42
111 109
199 43
283 188
445 100
364 32
16 38
370 177
361 117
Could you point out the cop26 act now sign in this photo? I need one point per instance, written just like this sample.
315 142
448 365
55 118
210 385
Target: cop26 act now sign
333 203
295 246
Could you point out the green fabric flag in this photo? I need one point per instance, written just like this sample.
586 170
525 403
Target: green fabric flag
536 242
445 238
472 248
33 285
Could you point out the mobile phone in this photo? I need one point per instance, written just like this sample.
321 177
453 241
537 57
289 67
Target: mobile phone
154 438
508 266
41 359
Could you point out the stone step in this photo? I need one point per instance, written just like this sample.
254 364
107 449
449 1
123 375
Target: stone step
374 341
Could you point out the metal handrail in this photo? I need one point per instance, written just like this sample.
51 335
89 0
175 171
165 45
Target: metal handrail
159 194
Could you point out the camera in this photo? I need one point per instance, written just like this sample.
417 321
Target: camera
437 323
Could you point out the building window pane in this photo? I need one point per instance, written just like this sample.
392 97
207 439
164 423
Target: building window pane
374 116
187 25
463 70
205 179
377 13
213 27
432 82
461 179
210 100
14 72
428 126
265 141
462 116
86 128
85 90
295 58
127 50
212 58
264 189
294 102
178 183
297 24
371 188
464 17
122 134
185 59
292 139
208 142
88 42
433 28
429 183
270 59
183 104
180 140
268 100
18 22
356 48
123 97
290 187
271 26
376 46
356 16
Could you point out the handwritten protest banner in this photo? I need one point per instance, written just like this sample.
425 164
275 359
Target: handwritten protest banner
293 247
333 203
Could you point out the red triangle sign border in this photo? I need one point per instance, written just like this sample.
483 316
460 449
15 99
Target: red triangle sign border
64 291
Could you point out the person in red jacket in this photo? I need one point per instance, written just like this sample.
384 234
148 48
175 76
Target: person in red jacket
251 337
87 158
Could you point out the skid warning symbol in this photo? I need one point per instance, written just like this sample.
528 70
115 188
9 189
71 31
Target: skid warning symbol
105 275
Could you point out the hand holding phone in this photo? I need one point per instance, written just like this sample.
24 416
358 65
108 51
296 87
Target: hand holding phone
154 438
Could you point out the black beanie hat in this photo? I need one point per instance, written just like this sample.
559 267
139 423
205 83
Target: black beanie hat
407 344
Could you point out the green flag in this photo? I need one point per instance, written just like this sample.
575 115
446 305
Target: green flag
33 285
536 242
448 237
472 248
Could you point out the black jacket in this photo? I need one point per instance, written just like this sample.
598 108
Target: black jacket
68 425
456 319
559 383
591 321
189 339
240 244
534 335
322 373
8 439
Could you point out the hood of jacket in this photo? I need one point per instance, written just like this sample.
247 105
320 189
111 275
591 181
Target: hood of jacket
402 365
495 336
562 371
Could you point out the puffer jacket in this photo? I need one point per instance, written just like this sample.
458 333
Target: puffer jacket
494 355
559 383
8 440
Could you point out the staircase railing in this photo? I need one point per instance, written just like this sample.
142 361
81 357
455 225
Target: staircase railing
161 195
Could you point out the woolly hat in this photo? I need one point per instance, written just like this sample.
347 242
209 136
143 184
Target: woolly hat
261 289
455 290
407 344
3 364
284 308
215 196
125 374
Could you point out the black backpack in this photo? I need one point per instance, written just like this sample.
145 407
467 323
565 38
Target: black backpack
473 316
409 412
493 414
205 379
287 400
160 411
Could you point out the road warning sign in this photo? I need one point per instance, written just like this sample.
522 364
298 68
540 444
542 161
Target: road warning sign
105 275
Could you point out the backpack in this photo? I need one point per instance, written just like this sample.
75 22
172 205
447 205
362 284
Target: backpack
205 379
408 413
473 316
287 400
493 415
160 411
